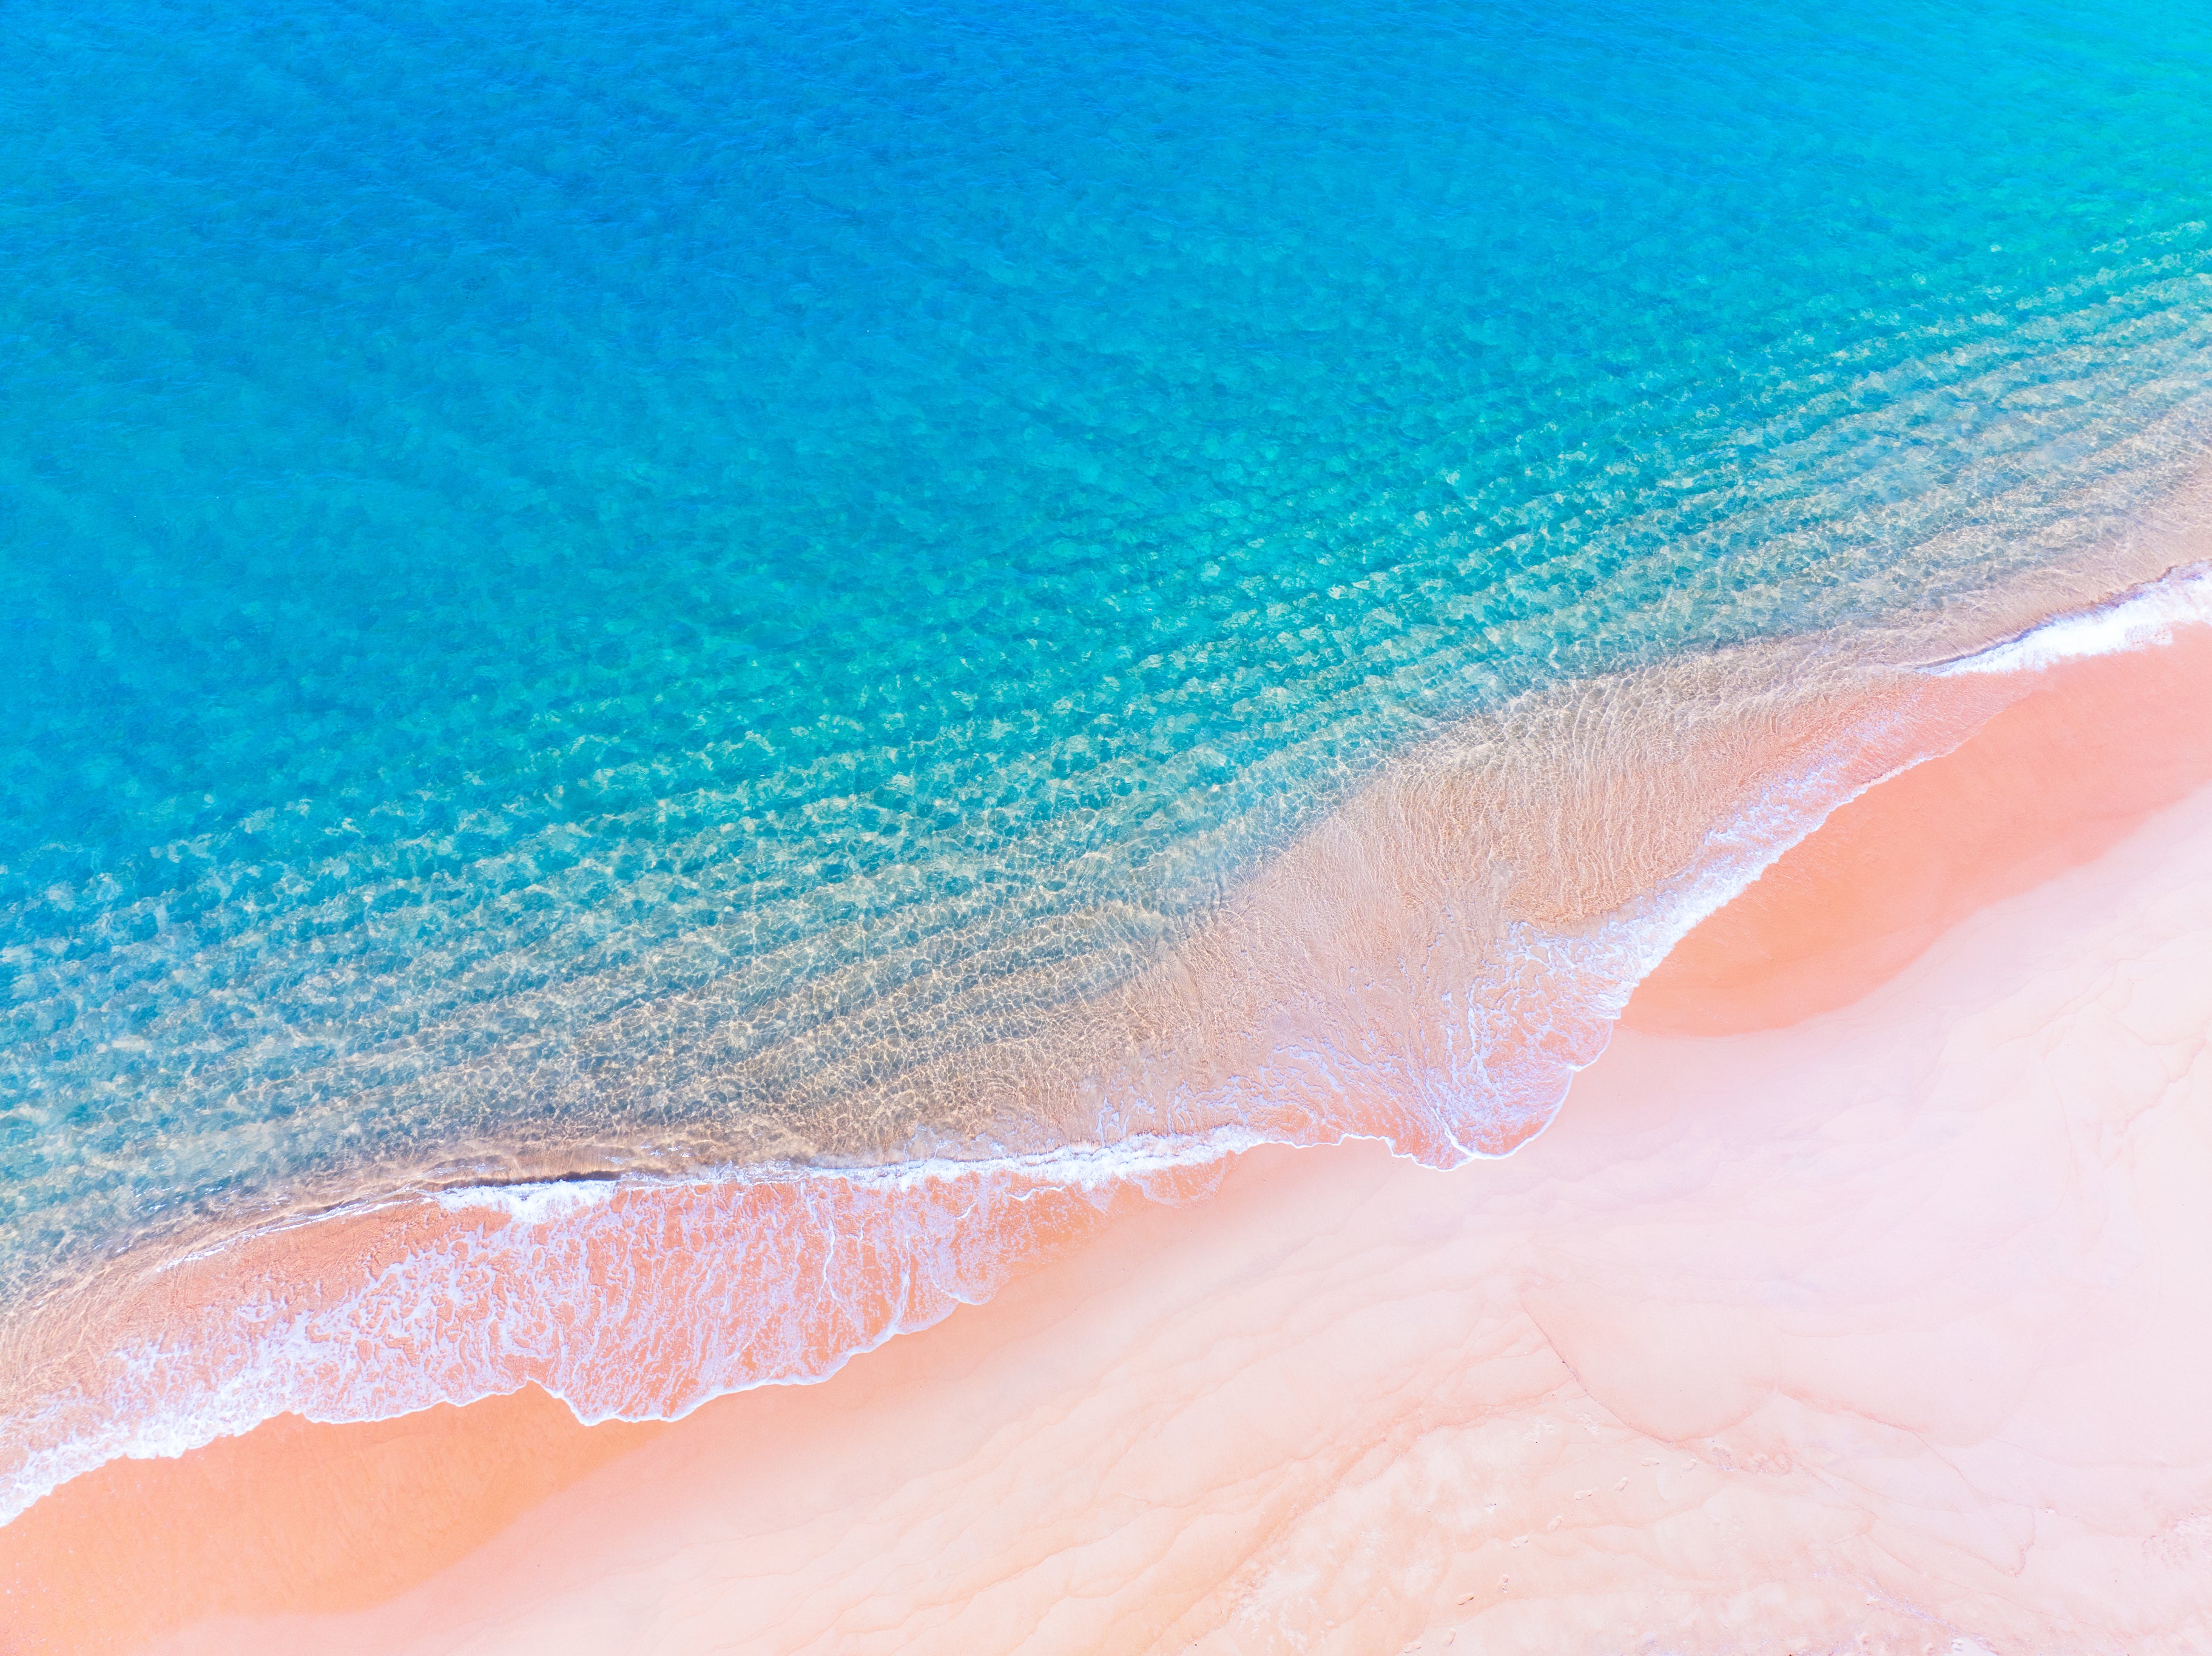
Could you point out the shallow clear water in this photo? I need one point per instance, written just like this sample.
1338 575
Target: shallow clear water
611 575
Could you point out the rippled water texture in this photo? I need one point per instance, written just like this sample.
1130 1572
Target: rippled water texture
611 582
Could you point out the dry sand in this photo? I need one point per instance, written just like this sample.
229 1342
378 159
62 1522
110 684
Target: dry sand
1858 1299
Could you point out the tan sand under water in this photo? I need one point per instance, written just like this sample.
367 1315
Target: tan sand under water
1880 1328
1428 965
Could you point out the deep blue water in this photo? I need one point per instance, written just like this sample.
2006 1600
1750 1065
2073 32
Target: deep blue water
594 573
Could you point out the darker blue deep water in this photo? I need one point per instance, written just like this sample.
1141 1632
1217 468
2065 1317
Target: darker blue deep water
514 520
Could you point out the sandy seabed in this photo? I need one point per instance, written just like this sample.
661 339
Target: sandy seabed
1860 1298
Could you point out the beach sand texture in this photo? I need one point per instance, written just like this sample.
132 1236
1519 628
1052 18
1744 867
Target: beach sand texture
1858 1299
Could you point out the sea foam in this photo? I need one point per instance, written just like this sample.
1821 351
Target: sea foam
2134 620
1429 967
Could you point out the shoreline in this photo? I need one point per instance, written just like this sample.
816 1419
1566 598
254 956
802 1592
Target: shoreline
1962 1425
1052 1220
2098 744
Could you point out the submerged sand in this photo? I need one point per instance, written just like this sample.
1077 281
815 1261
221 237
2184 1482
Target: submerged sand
1875 1317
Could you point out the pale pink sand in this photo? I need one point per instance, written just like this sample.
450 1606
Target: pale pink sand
2049 782
1889 1330
1428 963
960 1455
292 1516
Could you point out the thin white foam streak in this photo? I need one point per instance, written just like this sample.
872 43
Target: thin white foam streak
644 1296
2140 618
1078 1167
636 1299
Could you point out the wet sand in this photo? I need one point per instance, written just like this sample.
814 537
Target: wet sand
2053 781
1858 1294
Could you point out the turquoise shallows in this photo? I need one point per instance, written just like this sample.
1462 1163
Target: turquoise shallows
554 554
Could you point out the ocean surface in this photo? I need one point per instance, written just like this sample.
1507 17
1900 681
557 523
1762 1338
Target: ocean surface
603 588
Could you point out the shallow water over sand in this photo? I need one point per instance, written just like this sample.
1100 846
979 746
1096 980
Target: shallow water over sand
1873 1327
679 689
619 591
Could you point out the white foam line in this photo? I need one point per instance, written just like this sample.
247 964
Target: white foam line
1788 808
2140 617
1083 1166
532 1203
2133 620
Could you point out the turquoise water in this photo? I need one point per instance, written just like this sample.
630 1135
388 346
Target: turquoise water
610 579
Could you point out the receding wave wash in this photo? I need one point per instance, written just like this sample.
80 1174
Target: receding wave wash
753 612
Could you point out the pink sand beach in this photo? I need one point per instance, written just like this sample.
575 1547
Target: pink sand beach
1860 1298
